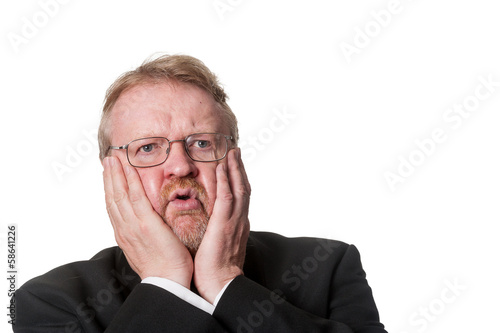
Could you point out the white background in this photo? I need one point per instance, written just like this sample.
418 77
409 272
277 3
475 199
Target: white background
351 120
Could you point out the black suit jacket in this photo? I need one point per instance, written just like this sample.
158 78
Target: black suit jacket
290 285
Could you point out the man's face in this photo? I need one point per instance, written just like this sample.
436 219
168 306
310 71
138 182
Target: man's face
180 190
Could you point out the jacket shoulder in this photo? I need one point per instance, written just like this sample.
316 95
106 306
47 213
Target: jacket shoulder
75 281
268 251
268 241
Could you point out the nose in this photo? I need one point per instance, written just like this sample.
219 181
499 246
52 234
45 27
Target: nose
178 163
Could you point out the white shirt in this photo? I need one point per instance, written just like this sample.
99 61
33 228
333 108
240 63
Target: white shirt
186 294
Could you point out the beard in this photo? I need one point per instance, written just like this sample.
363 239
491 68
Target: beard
188 225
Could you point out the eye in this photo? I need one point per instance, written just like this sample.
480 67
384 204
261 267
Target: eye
146 148
202 143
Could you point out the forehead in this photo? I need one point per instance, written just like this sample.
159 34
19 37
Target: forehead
172 110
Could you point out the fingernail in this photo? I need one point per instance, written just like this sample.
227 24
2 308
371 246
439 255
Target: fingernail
222 169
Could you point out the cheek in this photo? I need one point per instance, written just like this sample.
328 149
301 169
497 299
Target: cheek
152 183
208 179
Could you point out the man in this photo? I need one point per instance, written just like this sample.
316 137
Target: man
177 195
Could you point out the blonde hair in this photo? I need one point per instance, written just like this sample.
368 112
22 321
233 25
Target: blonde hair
166 68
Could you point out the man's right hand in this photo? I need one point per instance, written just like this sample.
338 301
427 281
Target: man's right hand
150 246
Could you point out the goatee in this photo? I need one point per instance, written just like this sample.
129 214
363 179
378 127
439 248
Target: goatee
188 225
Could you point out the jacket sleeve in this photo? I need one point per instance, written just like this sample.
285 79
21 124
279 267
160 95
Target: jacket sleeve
147 309
249 307
152 309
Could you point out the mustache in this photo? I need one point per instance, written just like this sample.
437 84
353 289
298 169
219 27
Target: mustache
183 183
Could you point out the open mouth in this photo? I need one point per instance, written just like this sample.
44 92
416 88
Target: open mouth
183 199
183 194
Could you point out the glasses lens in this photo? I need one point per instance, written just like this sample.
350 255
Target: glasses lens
206 147
147 152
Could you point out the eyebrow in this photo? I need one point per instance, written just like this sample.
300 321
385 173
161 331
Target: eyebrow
141 135
151 134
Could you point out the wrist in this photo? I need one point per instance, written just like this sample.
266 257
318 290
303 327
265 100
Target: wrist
181 278
210 288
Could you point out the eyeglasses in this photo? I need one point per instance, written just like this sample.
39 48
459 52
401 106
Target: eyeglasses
200 147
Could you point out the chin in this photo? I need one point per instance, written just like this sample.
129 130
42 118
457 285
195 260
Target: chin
190 228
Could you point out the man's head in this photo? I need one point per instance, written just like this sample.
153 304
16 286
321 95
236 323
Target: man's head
171 97
166 69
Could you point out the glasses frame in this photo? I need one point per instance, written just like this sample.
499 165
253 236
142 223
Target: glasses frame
227 137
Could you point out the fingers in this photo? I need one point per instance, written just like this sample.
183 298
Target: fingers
118 202
244 174
240 185
233 189
113 213
124 189
136 194
223 203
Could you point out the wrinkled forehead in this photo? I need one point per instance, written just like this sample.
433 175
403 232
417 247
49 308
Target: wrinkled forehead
164 109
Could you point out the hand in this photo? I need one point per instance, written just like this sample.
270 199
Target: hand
221 254
150 246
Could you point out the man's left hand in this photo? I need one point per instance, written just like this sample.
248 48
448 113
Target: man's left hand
221 254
